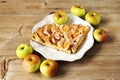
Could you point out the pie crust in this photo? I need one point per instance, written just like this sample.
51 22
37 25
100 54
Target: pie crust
66 37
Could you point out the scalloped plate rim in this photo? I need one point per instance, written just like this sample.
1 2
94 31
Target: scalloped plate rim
53 53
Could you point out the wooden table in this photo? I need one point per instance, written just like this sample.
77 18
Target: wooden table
17 18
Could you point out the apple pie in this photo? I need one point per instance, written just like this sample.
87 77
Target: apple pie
66 37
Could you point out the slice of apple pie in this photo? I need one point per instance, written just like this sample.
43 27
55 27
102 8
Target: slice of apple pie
67 37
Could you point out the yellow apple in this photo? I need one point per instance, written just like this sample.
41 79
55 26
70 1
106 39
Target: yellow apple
31 63
77 10
60 17
100 35
48 67
23 50
93 18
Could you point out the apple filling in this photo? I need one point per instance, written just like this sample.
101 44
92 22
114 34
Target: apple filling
67 37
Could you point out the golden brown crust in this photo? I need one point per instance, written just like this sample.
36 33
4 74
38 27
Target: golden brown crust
67 37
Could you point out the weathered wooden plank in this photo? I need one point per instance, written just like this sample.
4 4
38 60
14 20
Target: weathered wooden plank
52 5
89 67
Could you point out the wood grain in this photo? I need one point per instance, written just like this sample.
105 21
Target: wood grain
17 18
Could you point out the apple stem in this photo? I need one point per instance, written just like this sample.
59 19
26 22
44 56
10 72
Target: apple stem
22 48
47 64
101 32
92 15
30 59
78 6
60 16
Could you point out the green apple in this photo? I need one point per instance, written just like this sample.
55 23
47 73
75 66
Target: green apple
31 63
60 17
93 18
77 10
48 67
23 50
100 35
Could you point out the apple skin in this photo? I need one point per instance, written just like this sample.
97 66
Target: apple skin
77 10
93 18
31 63
23 50
100 35
48 67
60 17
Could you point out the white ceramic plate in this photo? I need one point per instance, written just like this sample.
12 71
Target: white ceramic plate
51 53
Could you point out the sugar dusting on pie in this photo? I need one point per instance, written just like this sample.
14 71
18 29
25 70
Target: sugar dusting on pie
66 37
